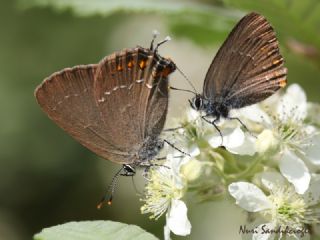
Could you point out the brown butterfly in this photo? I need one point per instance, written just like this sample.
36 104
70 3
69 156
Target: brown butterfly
116 108
247 69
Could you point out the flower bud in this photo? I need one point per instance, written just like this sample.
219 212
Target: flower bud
266 141
192 170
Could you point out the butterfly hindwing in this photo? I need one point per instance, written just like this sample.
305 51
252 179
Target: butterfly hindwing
67 98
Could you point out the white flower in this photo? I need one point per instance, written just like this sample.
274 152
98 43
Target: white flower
295 171
266 141
234 140
193 169
163 192
282 207
177 219
249 196
193 115
297 142
293 104
313 151
295 137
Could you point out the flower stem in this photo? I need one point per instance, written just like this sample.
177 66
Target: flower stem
248 172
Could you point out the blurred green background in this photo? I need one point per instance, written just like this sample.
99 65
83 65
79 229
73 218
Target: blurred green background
46 178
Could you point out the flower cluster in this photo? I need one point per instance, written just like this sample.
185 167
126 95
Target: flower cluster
269 163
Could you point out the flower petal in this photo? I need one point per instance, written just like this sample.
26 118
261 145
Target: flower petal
249 196
193 115
247 147
166 231
293 103
174 164
232 138
194 150
193 169
266 141
177 219
313 151
312 195
254 113
295 171
272 180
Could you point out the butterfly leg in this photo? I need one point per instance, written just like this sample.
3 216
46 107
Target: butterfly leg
242 124
173 129
174 147
177 128
148 167
213 123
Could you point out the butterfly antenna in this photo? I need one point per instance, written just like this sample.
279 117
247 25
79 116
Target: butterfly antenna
110 189
180 89
168 38
155 33
188 80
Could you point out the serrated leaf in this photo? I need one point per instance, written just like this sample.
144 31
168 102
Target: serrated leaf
94 230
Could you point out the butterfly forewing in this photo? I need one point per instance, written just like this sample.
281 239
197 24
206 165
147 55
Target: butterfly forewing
127 94
248 67
67 98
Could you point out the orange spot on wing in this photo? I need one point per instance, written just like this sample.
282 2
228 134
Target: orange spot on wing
130 64
119 68
283 83
142 64
276 61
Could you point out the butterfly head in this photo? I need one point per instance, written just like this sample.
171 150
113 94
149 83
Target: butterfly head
197 102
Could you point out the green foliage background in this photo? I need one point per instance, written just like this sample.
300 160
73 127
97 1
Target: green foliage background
46 178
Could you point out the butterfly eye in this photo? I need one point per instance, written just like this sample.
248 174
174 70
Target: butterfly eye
197 103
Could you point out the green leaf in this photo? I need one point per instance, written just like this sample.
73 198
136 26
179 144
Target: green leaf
202 23
106 7
94 230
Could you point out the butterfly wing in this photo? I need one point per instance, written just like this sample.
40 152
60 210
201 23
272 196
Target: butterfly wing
157 108
248 67
127 93
67 98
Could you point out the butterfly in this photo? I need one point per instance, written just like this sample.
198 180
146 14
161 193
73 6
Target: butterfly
116 108
247 69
